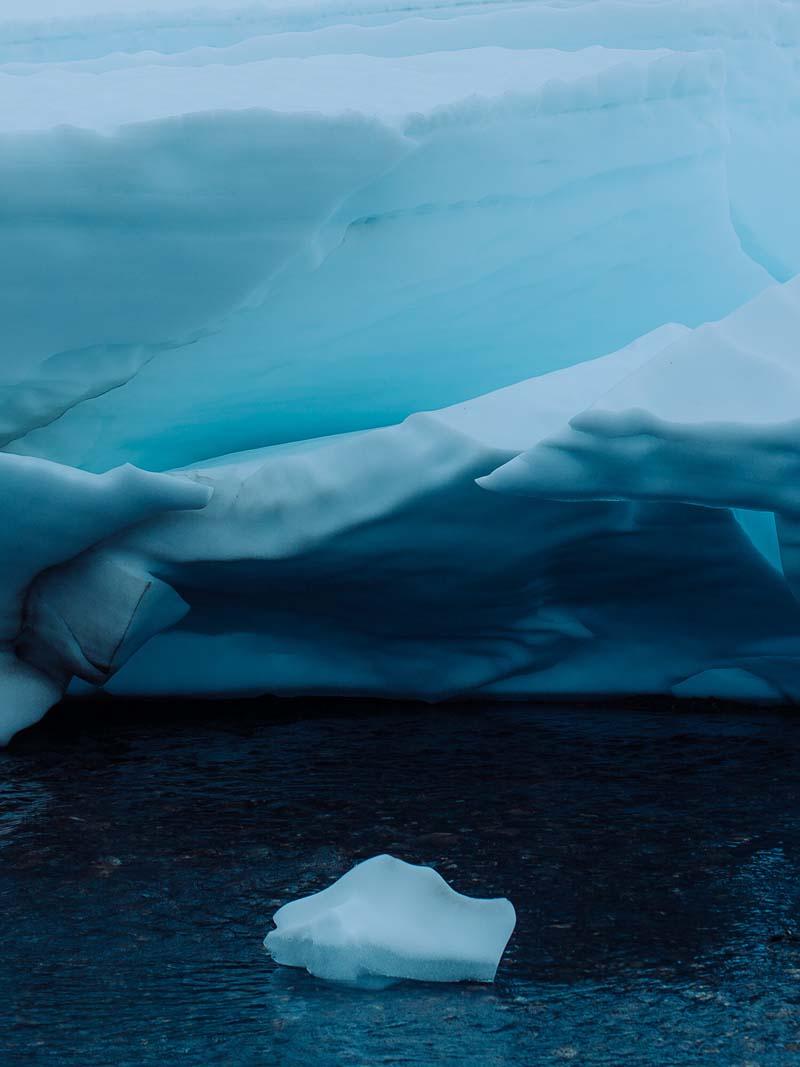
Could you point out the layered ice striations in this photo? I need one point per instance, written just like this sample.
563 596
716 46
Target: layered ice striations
356 269
339 240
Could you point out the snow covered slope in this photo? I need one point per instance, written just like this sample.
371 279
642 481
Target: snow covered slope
356 268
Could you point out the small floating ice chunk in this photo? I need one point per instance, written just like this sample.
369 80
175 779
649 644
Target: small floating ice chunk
389 920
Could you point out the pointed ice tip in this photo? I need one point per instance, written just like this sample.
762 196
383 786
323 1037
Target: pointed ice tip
498 481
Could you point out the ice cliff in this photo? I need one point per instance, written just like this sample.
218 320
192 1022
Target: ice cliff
422 349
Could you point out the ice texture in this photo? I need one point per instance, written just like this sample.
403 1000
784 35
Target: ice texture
387 920
53 514
400 349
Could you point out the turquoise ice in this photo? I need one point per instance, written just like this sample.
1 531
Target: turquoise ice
390 349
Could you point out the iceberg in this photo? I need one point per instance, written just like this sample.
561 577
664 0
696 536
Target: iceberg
386 920
420 350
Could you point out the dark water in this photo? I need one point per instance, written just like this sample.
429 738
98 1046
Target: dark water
653 858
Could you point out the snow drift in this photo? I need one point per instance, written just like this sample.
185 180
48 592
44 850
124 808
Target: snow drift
345 278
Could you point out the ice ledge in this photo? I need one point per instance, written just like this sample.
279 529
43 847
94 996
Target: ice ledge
374 563
55 513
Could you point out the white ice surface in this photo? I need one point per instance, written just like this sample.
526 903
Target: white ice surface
395 89
389 920
51 514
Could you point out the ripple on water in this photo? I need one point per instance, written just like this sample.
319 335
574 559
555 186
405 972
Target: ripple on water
652 856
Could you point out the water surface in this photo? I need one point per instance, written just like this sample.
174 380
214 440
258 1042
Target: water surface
653 857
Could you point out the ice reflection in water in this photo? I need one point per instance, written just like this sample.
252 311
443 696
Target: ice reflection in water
652 857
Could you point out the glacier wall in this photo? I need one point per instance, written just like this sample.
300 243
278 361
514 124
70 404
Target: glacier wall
307 316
